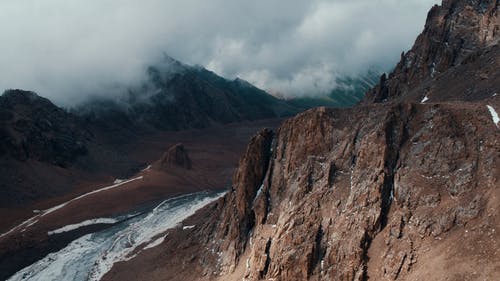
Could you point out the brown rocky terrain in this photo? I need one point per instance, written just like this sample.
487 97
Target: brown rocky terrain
347 197
403 189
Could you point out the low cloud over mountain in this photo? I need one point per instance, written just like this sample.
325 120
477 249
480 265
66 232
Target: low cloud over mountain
66 50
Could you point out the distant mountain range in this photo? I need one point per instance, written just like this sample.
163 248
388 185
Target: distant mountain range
175 96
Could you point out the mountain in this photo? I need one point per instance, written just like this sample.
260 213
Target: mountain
176 96
401 187
460 39
33 127
45 151
36 137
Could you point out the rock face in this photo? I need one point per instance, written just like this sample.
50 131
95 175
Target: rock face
386 192
400 175
456 34
176 156
240 219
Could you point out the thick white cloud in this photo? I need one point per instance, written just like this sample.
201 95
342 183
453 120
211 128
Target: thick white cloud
66 50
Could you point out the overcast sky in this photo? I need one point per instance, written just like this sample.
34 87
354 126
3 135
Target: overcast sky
65 50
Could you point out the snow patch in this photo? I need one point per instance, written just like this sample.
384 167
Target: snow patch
155 243
146 169
188 227
53 209
258 192
24 225
31 221
71 227
494 115
424 99
433 70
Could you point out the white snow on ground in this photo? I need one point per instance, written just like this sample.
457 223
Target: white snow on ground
71 227
31 221
155 243
25 224
48 211
494 115
188 227
259 191
118 181
146 169
424 99
91 256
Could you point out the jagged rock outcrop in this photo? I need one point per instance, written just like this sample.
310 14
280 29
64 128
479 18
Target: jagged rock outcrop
240 219
405 174
457 33
176 156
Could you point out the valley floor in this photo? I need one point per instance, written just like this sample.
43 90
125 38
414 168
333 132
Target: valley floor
90 207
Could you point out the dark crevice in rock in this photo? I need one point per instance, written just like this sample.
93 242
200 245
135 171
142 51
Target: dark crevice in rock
319 251
269 181
396 135
365 246
400 267
263 273
332 174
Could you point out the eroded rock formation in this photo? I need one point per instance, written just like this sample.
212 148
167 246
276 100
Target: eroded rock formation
175 157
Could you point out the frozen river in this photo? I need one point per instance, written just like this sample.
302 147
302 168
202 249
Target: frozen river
91 256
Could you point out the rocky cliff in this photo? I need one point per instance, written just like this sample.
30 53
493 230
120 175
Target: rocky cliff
371 193
385 192
400 190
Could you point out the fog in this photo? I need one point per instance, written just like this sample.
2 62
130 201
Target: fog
68 50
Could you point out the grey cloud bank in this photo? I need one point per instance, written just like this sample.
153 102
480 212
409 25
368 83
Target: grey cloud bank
67 50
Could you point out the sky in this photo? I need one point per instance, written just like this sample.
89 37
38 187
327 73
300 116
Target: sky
68 50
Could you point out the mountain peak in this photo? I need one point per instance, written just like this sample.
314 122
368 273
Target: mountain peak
21 96
454 32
